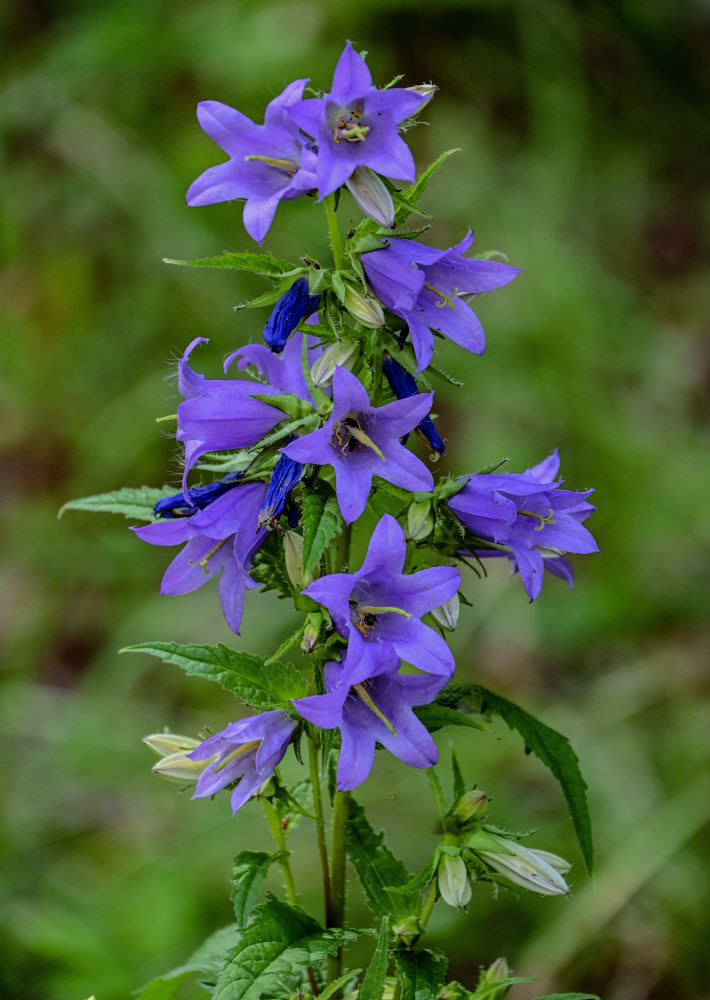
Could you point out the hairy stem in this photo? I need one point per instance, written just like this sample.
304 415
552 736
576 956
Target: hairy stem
280 841
336 241
320 831
429 903
338 856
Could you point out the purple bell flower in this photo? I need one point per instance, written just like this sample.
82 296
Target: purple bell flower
378 608
373 707
248 752
404 385
286 475
222 537
531 516
361 441
423 286
267 163
289 312
355 124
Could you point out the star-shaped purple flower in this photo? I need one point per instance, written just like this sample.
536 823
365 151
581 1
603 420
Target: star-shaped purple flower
222 537
361 441
248 751
378 609
424 286
531 516
222 414
355 124
267 163
370 708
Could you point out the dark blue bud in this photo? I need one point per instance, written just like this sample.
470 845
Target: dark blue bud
200 497
289 312
287 474
404 385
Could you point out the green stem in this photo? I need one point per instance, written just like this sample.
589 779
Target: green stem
320 830
336 242
428 905
280 841
338 856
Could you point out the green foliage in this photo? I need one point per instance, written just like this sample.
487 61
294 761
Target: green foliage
322 521
207 960
249 870
378 870
411 195
437 716
243 674
422 973
273 952
569 996
373 982
265 264
134 503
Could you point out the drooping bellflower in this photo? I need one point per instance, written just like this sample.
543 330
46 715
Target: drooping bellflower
404 385
222 537
361 441
370 708
288 313
285 476
378 609
247 751
531 516
267 163
423 286
355 124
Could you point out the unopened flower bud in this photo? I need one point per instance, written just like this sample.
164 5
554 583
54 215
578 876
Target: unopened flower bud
447 614
164 744
311 632
498 972
453 991
470 808
454 886
341 354
558 863
407 931
420 521
372 196
293 558
425 90
289 312
522 865
364 308
179 768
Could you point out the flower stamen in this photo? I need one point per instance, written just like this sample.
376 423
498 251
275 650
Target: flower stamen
542 518
203 562
446 300
361 692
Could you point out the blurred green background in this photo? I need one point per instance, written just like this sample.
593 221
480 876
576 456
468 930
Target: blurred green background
585 136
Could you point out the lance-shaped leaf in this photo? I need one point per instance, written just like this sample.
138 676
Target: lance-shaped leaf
207 960
378 870
134 503
249 871
322 521
411 195
265 264
373 982
273 952
421 972
435 717
244 674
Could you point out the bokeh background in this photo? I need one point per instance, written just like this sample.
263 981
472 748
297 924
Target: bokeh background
585 136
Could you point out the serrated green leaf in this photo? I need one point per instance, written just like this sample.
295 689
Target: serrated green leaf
414 192
273 952
333 987
244 674
418 882
134 503
265 264
266 298
373 982
445 375
421 972
248 872
322 522
378 870
206 960
292 405
553 749
436 716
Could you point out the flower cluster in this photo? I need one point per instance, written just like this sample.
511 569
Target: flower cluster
317 425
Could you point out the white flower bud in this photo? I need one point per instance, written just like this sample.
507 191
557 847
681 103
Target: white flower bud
364 308
454 886
420 521
447 614
371 196
341 354
179 768
522 865
293 557
425 90
164 744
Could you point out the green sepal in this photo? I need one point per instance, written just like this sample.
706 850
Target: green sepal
206 960
445 375
137 503
414 192
292 405
273 952
265 264
421 973
459 784
243 674
373 982
378 870
303 424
